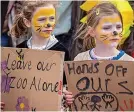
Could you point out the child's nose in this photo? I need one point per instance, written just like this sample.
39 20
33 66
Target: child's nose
48 25
115 33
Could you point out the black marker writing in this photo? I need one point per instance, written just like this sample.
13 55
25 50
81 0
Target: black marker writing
45 67
12 79
128 90
84 68
33 84
99 85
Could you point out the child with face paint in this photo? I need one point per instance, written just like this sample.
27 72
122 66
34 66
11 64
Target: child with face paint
39 18
104 27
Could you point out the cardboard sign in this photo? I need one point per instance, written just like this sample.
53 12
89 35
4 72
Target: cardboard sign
101 85
31 80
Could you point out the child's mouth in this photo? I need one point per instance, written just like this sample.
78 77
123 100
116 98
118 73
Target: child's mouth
47 31
114 40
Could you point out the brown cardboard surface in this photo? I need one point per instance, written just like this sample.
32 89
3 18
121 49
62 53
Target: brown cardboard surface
101 85
31 79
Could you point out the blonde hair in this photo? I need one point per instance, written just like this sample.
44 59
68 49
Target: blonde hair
28 7
93 17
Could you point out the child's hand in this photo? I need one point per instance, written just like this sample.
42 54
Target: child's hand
68 97
2 105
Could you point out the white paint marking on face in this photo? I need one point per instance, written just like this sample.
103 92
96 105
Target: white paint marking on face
110 27
109 30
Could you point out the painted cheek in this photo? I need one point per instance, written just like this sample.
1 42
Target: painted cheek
100 33
105 35
52 23
105 38
106 42
35 24
38 29
120 34
53 26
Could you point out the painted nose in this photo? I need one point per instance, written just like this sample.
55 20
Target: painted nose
48 25
115 33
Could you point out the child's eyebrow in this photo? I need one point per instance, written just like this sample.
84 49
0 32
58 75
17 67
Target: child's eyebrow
106 24
42 17
118 23
110 23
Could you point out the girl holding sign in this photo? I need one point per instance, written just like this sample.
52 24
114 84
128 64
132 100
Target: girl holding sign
39 18
104 27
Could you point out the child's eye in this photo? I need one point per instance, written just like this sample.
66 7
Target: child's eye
107 28
41 19
118 26
51 18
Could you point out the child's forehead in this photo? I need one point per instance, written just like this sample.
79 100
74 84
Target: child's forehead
46 10
114 18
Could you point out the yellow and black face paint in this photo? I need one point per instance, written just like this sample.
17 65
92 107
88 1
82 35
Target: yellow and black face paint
43 21
109 29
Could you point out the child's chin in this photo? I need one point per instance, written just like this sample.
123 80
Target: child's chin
114 44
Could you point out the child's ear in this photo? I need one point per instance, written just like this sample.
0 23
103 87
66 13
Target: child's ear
27 22
91 31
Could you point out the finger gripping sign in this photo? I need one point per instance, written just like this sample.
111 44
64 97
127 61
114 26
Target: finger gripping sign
101 85
31 80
